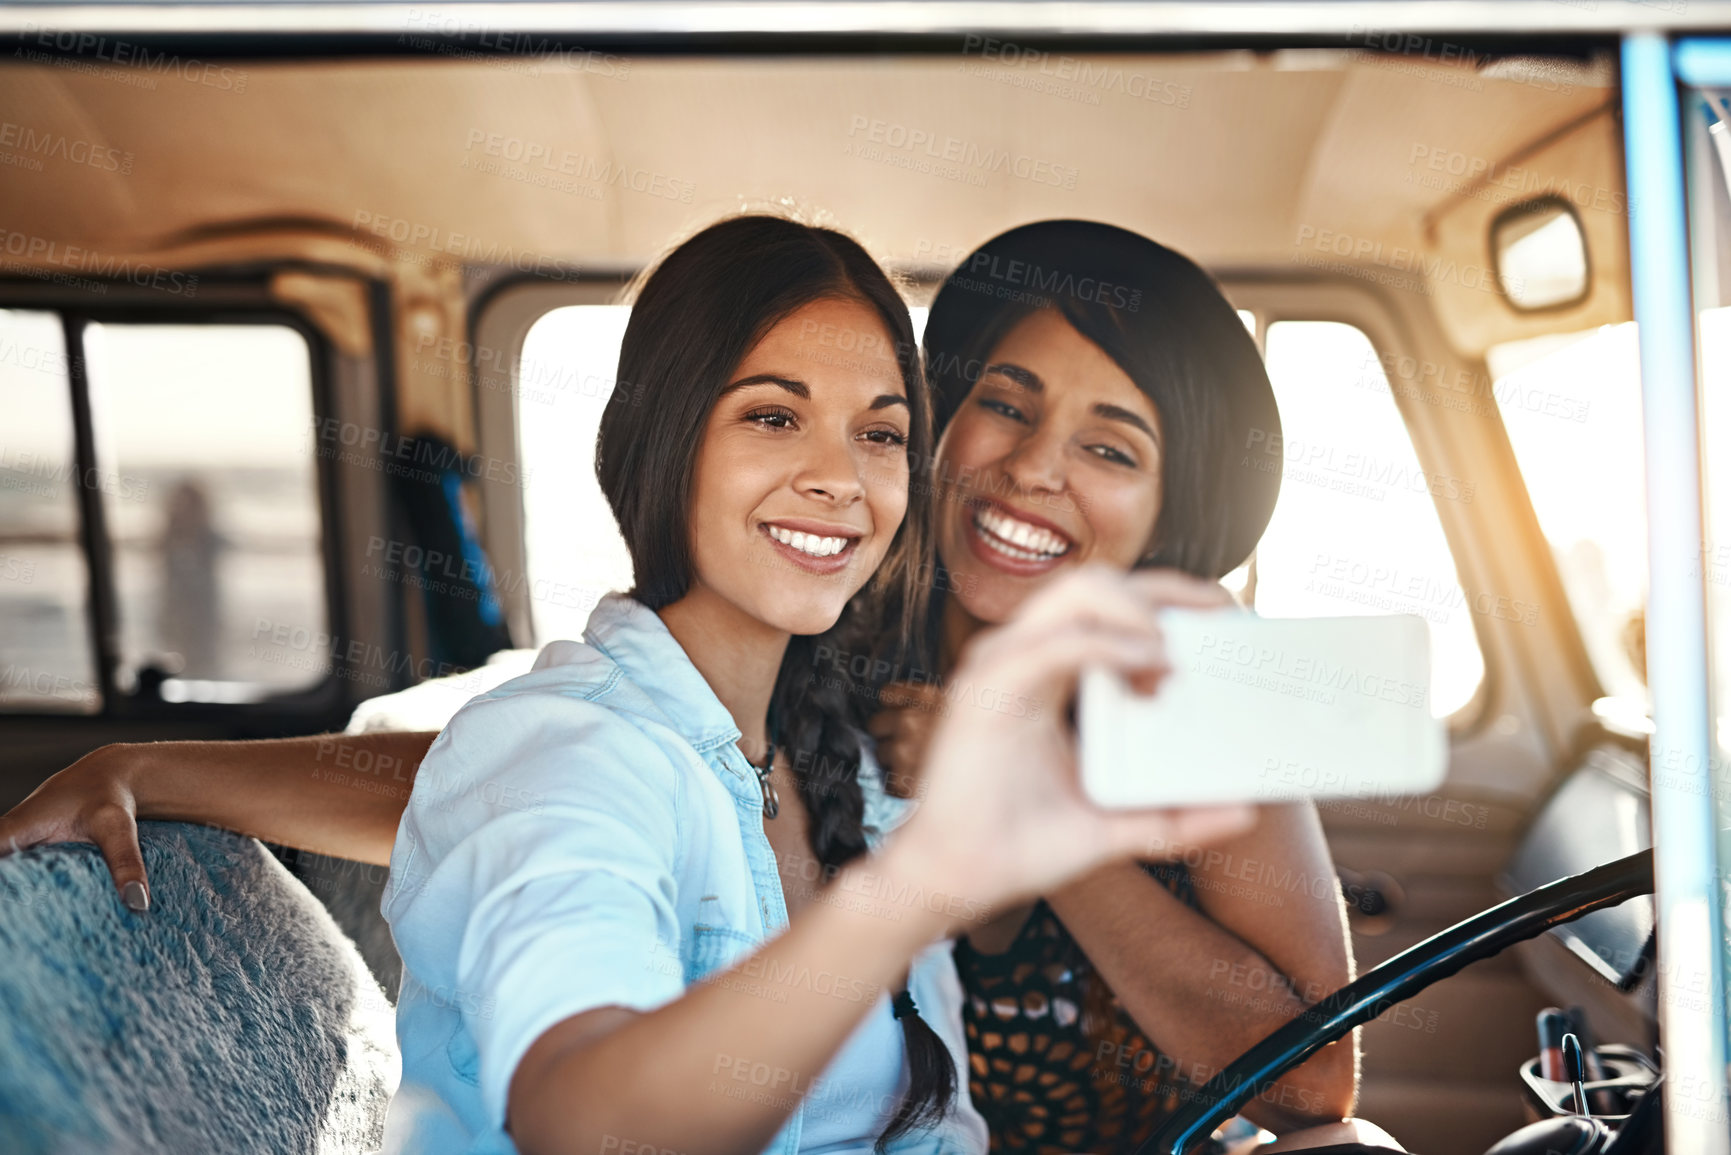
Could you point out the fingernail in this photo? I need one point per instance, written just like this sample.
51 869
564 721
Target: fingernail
135 896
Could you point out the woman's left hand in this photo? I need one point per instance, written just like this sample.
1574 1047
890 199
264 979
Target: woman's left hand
92 800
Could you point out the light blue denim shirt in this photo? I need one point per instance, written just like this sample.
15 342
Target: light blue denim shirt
589 834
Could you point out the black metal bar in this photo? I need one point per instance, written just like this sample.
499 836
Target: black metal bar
383 309
1396 980
93 520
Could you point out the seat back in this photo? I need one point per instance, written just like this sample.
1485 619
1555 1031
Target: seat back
232 1016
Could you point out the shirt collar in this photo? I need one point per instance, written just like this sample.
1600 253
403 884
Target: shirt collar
639 642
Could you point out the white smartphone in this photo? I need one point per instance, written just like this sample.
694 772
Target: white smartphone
1267 710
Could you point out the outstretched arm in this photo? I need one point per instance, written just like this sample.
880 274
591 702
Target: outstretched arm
1003 818
338 794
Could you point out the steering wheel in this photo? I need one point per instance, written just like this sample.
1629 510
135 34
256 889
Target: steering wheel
1403 976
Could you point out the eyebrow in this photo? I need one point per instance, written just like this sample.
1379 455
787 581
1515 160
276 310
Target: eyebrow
801 390
1026 378
796 387
1119 413
1029 380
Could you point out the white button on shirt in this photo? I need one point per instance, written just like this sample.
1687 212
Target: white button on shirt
590 835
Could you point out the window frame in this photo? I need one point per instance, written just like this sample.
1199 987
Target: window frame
221 302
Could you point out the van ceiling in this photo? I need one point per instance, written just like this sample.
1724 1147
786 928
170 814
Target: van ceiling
1228 156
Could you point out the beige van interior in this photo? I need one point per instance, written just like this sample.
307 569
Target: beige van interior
421 212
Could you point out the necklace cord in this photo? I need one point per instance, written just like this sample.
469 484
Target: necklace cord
771 803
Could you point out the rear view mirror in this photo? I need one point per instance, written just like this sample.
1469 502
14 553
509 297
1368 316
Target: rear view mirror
1540 254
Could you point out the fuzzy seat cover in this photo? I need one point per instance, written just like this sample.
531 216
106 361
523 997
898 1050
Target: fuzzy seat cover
232 1017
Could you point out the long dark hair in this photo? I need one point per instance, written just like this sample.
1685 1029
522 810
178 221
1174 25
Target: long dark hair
694 320
1167 325
1165 322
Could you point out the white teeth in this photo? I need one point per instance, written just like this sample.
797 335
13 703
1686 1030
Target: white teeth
1015 538
809 543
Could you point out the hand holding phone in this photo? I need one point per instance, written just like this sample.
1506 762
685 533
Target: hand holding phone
1267 710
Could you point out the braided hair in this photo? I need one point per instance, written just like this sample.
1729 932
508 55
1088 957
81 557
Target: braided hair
695 318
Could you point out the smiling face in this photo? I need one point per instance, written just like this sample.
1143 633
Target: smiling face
1052 460
801 478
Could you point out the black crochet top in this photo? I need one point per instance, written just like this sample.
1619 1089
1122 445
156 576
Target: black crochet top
1042 1083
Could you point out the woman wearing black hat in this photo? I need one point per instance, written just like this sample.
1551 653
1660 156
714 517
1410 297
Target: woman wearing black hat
1097 398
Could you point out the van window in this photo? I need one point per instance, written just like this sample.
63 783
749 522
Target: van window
572 546
1356 529
200 470
216 541
1572 407
46 660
